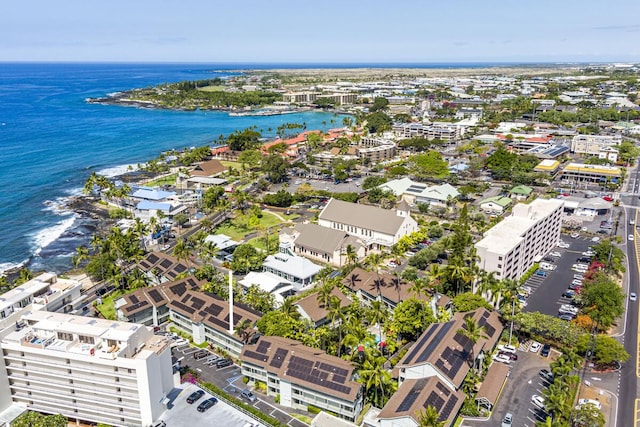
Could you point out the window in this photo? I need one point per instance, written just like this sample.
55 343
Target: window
86 339
65 336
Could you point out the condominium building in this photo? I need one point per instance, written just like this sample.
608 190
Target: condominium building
513 245
87 369
46 292
303 376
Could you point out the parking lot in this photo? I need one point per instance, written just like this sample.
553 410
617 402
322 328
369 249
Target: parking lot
546 296
181 413
229 379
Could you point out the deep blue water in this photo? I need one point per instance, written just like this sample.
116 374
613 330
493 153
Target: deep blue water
51 140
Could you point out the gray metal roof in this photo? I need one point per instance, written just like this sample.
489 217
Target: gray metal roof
362 216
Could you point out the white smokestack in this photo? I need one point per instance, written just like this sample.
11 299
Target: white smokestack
231 302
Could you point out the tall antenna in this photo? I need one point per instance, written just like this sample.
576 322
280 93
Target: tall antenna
230 302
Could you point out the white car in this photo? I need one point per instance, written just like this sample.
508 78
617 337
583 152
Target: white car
578 276
595 239
502 359
630 237
538 401
566 308
547 266
588 401
588 253
633 296
563 245
575 235
555 254
535 347
507 348
577 282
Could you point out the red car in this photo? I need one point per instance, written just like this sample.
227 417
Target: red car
608 198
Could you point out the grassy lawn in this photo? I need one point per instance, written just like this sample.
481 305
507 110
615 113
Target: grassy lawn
228 164
107 308
211 88
165 180
267 220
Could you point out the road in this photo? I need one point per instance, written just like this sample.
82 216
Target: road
629 404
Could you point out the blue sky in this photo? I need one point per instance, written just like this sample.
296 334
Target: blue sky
320 31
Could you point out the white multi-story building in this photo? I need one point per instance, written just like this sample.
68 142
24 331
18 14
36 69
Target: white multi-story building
594 145
45 292
513 245
87 369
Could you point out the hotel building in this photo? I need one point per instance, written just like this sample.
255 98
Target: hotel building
87 369
513 245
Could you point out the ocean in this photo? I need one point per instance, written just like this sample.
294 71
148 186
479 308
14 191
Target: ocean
51 140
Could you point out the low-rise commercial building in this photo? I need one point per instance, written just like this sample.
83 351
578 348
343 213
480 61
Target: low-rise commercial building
87 369
303 376
587 173
513 245
324 244
594 144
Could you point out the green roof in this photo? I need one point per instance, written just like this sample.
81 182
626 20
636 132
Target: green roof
521 189
498 200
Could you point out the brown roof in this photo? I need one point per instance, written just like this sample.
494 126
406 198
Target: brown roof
304 366
392 288
315 310
448 351
362 216
493 382
212 310
165 265
209 168
414 395
158 296
320 239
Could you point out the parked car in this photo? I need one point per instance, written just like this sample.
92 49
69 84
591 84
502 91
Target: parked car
633 296
507 348
502 359
201 354
630 237
207 404
575 235
507 420
567 317
569 293
248 395
541 273
535 347
546 375
546 349
569 308
196 395
511 356
538 401
555 254
222 363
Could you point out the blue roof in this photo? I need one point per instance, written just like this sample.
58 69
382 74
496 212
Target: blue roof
152 194
147 205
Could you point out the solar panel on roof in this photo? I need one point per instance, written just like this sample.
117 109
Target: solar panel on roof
183 307
179 268
263 347
216 321
178 289
411 397
425 336
213 309
443 388
134 299
255 356
278 358
445 412
165 263
434 400
152 258
197 303
339 379
155 295
439 336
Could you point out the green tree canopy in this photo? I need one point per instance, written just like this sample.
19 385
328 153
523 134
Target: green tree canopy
602 299
428 165
469 301
411 317
275 167
379 104
35 419
247 139
246 258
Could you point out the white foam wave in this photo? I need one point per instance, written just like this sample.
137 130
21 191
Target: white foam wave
45 237
57 206
112 172
74 191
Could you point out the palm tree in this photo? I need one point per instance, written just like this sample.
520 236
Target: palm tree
337 317
82 253
377 313
351 254
459 273
243 330
377 381
183 251
324 295
375 261
288 308
429 417
474 332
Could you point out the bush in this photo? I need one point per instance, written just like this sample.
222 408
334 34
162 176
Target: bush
212 388
313 409
245 380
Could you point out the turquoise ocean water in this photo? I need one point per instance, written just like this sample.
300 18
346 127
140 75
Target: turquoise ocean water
51 140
